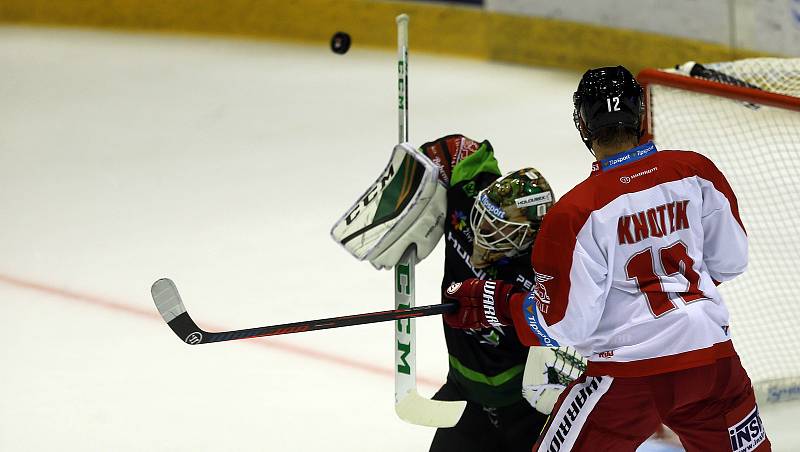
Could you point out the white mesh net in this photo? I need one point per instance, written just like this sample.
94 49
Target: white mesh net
758 149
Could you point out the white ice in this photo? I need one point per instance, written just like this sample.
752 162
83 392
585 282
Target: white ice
222 164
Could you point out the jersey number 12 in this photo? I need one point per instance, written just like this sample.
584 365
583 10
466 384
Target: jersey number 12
673 259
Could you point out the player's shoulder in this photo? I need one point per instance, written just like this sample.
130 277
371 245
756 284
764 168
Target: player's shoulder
580 198
460 158
687 157
689 163
570 212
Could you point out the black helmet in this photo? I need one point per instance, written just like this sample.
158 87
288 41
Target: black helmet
607 97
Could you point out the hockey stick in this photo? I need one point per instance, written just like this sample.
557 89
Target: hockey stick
408 404
170 306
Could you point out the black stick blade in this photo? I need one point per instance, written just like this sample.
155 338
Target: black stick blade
170 306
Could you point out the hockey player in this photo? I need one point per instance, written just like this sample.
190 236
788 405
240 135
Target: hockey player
450 188
489 227
627 266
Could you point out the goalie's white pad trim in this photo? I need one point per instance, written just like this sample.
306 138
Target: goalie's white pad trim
411 213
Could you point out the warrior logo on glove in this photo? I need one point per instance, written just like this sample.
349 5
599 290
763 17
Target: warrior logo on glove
481 304
453 288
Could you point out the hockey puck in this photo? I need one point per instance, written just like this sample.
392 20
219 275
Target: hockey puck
340 42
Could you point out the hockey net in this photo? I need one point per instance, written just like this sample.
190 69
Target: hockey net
745 116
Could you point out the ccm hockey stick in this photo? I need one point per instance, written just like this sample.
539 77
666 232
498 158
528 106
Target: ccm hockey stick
408 404
170 306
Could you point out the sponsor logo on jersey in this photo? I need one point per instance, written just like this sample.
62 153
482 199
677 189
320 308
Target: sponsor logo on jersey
606 354
657 222
460 223
534 200
632 155
466 147
628 179
495 210
532 317
437 156
524 282
459 220
618 160
748 433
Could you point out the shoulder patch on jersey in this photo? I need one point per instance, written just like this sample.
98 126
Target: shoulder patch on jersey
540 292
535 323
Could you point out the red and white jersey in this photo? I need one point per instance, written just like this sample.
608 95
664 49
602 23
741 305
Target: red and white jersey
627 265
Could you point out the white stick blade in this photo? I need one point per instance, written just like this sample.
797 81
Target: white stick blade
415 409
168 301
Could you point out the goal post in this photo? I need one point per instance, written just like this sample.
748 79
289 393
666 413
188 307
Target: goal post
745 116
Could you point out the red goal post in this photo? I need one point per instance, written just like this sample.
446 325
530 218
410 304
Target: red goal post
678 80
745 116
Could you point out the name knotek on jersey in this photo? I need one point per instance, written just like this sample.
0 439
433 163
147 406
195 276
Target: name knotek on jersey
657 221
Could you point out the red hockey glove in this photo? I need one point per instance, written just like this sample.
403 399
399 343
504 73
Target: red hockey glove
482 304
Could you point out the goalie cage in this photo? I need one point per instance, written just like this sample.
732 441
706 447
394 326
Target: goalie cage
745 116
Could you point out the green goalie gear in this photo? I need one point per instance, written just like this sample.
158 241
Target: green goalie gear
406 206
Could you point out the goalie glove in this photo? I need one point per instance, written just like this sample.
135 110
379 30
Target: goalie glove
481 304
547 372
405 207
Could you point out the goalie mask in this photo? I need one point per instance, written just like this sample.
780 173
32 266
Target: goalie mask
507 214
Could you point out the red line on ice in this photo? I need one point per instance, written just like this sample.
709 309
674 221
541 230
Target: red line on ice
271 343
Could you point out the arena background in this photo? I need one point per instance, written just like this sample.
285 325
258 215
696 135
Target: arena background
575 34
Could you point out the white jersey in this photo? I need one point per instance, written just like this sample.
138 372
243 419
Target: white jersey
627 265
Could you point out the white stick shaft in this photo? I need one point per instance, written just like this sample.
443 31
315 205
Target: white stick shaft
405 343
409 405
402 76
405 371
